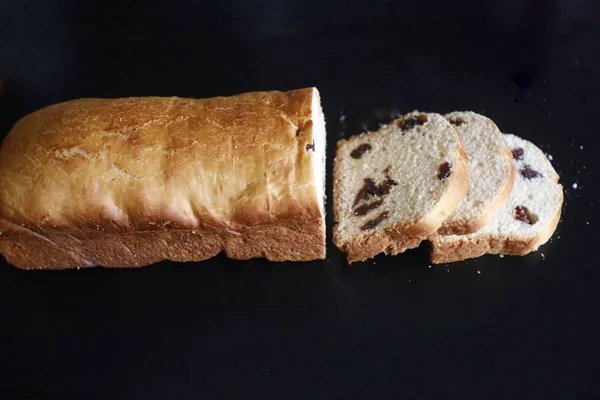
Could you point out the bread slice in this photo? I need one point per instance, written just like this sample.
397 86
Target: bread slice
526 221
394 187
491 173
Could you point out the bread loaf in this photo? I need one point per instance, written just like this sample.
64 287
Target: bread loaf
394 187
129 182
525 222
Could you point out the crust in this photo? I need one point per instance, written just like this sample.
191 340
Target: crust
128 182
402 238
451 251
391 242
467 227
298 241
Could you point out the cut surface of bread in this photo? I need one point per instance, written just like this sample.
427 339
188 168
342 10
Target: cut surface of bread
525 222
395 186
491 173
129 182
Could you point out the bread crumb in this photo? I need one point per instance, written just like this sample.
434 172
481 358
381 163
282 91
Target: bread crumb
78 267
409 281
342 118
501 255
575 185
543 255
429 266
586 222
550 157
580 147
478 272
447 270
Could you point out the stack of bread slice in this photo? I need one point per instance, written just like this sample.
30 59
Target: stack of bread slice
454 180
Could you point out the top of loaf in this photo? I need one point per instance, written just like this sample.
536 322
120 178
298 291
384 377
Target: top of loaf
155 163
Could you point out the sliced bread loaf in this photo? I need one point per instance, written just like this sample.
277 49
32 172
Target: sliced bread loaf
491 173
526 221
394 187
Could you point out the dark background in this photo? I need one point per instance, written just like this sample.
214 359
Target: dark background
514 328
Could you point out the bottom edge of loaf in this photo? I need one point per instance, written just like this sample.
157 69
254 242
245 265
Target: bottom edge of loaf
292 242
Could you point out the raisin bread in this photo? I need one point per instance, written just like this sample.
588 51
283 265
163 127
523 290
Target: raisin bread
129 182
526 221
395 187
491 173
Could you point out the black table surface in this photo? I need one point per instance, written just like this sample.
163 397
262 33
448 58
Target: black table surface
393 327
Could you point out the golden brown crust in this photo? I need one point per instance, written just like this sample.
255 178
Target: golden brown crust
179 179
300 241
458 250
389 242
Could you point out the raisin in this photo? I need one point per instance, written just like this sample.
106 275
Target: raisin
457 121
366 208
529 173
386 186
410 122
310 146
374 222
445 171
522 214
360 150
517 153
386 172
370 188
